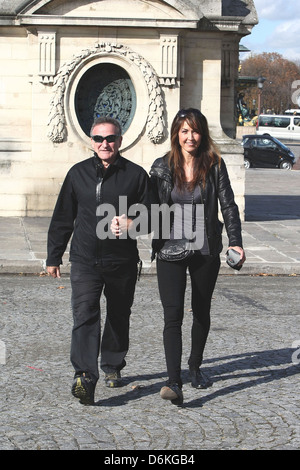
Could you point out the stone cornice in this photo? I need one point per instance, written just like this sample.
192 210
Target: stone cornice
53 20
226 24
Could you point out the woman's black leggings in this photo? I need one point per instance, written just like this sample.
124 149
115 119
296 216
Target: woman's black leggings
172 284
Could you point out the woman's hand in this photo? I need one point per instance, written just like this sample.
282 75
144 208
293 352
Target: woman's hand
241 252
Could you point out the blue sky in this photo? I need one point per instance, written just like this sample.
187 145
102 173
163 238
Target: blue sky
278 29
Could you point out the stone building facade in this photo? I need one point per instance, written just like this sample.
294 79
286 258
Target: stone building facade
65 62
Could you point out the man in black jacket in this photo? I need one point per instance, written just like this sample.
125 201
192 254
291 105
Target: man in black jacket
92 207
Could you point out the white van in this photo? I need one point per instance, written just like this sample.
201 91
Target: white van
281 127
292 111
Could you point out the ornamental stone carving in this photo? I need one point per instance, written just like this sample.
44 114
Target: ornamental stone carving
155 124
47 54
115 100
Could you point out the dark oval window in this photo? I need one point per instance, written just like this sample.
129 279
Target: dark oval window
105 90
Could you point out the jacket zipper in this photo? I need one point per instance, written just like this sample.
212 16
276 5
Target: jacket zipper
98 202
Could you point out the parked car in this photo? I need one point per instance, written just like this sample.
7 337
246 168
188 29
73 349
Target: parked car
265 151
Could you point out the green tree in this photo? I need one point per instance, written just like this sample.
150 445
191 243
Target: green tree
277 90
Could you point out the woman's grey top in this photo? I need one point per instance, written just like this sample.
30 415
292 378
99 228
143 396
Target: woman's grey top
188 221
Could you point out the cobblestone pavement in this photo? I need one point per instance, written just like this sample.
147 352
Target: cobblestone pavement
252 356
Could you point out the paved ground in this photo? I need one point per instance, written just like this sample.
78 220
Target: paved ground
252 355
253 404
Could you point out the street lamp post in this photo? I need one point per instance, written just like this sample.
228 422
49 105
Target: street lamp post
260 84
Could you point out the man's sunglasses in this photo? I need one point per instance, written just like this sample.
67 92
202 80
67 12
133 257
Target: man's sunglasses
109 138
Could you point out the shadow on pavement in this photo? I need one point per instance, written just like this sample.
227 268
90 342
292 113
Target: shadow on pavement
270 207
137 391
256 368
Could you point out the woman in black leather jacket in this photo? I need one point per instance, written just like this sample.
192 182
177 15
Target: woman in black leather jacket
190 175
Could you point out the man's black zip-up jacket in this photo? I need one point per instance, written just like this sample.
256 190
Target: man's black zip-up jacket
85 188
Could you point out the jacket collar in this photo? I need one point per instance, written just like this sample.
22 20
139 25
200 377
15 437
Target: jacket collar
119 161
161 169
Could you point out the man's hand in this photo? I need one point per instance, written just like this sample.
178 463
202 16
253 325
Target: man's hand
120 225
54 271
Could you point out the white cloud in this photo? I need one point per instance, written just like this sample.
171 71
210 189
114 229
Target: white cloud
286 34
278 28
283 39
277 9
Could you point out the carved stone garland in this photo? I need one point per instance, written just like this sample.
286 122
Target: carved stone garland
155 121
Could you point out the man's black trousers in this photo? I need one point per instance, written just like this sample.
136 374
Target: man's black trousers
117 281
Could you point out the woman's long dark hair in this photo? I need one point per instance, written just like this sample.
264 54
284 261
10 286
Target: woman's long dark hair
207 153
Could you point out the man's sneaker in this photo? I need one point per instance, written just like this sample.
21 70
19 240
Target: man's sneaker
84 389
113 379
172 392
